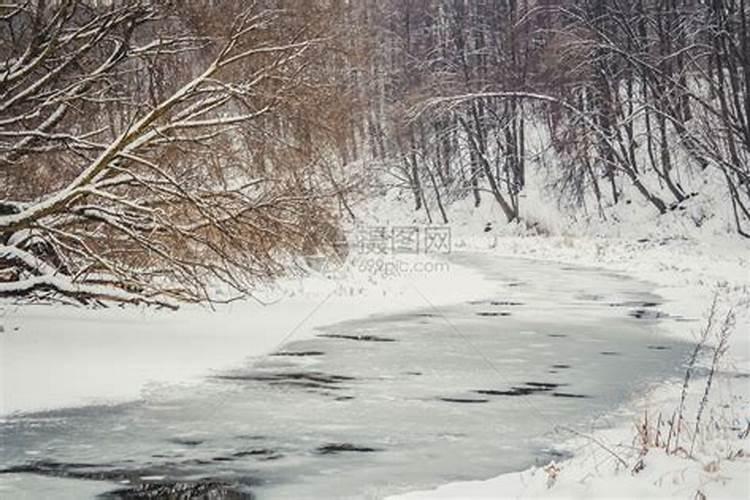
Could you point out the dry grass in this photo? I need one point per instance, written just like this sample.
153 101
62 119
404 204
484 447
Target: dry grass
679 432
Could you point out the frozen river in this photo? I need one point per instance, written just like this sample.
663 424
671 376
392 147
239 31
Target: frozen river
374 406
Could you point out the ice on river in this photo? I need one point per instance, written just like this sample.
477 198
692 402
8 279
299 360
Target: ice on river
382 404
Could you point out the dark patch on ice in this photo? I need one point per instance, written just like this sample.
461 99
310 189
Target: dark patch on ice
222 459
635 303
569 395
527 389
307 380
361 338
52 468
197 461
101 472
426 315
334 448
492 313
263 454
319 377
561 366
659 347
164 481
543 386
650 304
497 302
186 441
557 335
344 398
609 353
180 490
646 314
298 353
302 384
254 452
413 373
464 400
515 391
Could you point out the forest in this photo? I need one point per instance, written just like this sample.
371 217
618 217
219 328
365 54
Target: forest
162 152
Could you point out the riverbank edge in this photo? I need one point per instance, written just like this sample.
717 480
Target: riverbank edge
104 356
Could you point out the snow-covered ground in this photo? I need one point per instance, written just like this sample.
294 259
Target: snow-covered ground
55 356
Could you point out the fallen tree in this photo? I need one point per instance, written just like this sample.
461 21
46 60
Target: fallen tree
150 157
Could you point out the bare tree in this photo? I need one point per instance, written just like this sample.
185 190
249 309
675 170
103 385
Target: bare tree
145 160
651 94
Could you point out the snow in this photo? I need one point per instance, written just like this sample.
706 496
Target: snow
663 476
689 255
15 253
115 355
687 273
54 357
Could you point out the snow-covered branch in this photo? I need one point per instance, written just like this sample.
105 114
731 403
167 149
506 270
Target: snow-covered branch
146 187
